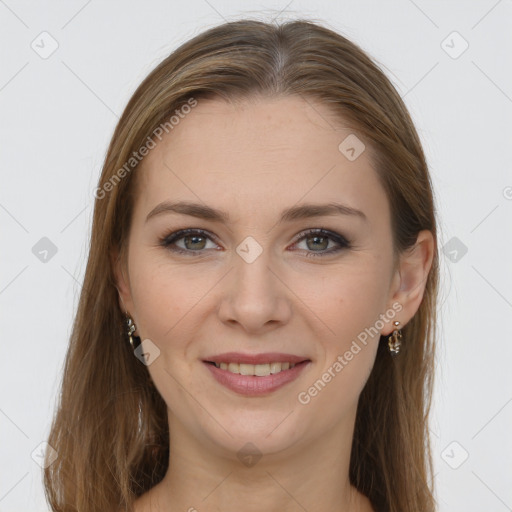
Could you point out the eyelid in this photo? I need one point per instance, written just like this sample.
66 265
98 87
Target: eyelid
320 232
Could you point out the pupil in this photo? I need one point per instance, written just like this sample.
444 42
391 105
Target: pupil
195 237
316 238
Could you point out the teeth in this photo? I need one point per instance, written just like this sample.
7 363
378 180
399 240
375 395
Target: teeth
259 370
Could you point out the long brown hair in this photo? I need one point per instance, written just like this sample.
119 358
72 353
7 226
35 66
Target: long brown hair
110 428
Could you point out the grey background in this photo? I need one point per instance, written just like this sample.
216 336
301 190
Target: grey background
58 112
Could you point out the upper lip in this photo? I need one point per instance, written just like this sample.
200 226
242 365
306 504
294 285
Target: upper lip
267 357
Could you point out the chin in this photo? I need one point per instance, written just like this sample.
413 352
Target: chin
263 436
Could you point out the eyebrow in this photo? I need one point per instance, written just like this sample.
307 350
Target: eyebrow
303 211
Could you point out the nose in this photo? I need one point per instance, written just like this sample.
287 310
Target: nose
255 296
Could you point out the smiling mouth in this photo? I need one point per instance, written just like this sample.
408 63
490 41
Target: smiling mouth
257 370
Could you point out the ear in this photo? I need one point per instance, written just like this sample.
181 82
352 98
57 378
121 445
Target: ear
410 279
122 282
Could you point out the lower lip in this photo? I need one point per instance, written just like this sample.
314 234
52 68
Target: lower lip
251 385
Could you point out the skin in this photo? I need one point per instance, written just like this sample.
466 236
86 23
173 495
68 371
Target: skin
253 160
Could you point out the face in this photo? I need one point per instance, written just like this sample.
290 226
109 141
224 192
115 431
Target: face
253 283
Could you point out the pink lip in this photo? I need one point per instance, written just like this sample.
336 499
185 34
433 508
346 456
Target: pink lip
252 385
268 357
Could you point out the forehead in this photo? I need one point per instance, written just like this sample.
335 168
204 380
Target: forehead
253 155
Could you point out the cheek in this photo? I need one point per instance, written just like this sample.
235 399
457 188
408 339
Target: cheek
345 301
334 392
162 297
348 308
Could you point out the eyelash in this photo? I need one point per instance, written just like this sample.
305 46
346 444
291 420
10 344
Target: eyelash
173 237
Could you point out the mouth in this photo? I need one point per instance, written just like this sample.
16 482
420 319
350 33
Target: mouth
255 375
257 370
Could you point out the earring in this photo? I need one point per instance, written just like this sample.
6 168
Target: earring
394 341
131 329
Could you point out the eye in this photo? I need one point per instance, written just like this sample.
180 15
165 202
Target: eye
320 239
195 241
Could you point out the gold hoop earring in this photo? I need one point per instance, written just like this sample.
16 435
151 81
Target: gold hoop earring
395 340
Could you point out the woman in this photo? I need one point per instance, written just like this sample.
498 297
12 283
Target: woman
257 322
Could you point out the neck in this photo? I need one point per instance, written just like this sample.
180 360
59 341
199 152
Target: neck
203 477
